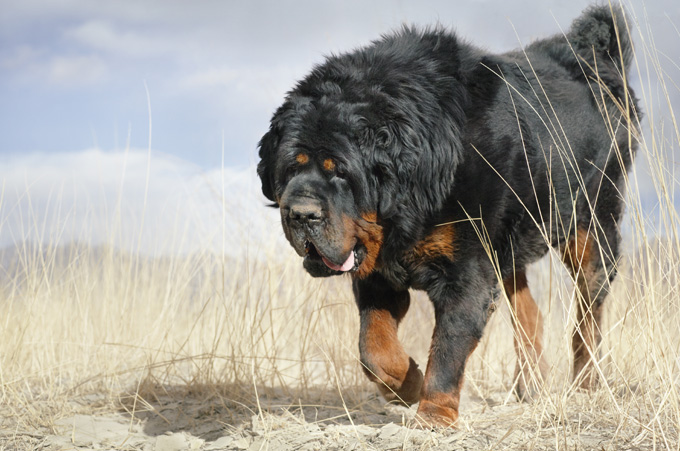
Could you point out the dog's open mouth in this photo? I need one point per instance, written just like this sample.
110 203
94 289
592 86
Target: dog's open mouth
351 264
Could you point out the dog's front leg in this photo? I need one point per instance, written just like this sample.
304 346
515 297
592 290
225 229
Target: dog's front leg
383 358
460 316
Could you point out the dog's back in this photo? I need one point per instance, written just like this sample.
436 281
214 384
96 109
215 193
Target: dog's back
558 124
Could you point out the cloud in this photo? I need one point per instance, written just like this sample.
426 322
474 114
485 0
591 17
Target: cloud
209 78
221 68
245 87
76 70
20 57
31 65
104 37
135 201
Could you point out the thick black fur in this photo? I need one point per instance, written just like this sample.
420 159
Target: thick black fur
515 151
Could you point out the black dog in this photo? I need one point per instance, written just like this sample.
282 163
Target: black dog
423 162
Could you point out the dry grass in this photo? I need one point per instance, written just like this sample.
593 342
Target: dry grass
256 347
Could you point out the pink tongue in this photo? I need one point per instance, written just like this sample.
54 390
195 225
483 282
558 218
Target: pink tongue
349 263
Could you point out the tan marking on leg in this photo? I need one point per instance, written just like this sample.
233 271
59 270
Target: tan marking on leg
437 408
396 374
585 341
580 256
527 320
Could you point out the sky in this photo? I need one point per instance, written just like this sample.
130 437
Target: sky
135 99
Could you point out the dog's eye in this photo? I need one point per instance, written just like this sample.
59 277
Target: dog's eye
290 172
383 137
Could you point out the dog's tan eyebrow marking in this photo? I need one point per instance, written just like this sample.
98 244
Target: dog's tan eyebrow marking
328 164
302 158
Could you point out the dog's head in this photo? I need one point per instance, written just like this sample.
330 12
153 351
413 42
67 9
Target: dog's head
353 162
312 166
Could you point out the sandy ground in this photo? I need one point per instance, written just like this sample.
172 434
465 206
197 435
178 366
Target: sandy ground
193 422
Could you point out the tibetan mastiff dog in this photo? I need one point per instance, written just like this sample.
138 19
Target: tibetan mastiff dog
423 162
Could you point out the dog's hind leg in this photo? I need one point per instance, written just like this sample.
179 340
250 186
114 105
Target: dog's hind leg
383 358
592 265
527 320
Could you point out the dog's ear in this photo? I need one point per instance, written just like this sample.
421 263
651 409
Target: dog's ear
413 158
425 153
265 168
386 174
382 180
387 189
433 151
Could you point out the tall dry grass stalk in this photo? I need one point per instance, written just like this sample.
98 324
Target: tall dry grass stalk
81 319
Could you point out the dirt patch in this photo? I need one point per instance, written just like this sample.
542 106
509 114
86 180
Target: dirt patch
193 422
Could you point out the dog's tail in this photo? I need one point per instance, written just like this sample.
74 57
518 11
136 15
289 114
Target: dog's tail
604 30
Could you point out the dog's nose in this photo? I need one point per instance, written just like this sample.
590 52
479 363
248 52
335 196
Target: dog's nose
306 213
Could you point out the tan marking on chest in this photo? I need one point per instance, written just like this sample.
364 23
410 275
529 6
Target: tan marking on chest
370 217
439 243
370 233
